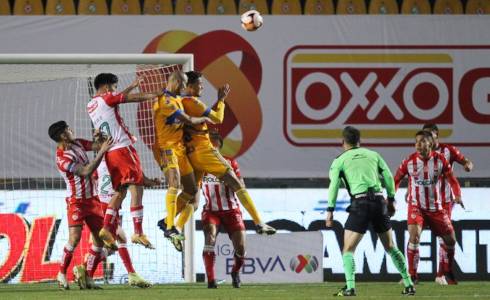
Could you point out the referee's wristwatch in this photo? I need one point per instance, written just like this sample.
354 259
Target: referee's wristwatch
331 209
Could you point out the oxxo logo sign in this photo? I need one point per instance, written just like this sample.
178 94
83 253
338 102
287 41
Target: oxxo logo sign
389 92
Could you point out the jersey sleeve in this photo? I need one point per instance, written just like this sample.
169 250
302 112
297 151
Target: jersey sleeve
169 110
456 155
113 99
401 172
387 176
86 144
333 188
66 164
195 107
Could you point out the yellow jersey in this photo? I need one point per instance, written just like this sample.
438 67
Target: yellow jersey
168 128
196 134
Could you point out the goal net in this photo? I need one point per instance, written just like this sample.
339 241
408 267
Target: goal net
38 90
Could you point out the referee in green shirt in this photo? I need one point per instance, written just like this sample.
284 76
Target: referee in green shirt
360 170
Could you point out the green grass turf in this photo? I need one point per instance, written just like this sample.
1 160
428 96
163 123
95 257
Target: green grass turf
375 290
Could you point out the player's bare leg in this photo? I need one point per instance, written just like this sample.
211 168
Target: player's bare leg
110 218
238 240
95 253
414 231
133 278
440 277
137 214
449 242
231 180
208 254
74 236
398 260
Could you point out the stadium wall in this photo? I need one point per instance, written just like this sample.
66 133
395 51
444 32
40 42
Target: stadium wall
34 230
295 82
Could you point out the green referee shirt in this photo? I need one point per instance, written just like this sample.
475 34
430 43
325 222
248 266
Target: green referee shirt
359 168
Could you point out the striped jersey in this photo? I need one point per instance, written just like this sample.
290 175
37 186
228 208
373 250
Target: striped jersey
218 196
103 110
67 161
424 176
451 154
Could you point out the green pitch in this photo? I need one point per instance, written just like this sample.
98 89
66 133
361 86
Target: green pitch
383 290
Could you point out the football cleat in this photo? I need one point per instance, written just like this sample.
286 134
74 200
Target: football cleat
142 240
235 280
451 279
345 292
162 224
212 284
441 280
109 241
62 282
80 276
135 280
409 291
265 229
91 284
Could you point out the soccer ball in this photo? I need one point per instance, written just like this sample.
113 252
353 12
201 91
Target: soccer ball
252 20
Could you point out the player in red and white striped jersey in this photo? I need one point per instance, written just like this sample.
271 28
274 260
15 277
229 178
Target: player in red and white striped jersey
122 160
82 202
452 155
425 169
222 208
105 191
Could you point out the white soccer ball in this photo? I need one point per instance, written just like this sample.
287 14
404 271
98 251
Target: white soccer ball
252 20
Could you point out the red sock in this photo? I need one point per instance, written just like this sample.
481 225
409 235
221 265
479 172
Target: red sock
124 254
238 263
137 214
450 259
209 257
93 259
442 260
110 218
413 258
66 258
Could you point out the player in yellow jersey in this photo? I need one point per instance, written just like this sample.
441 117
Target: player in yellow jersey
201 153
170 151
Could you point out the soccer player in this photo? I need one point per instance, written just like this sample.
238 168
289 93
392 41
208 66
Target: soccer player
452 155
122 160
201 152
106 192
425 169
360 169
222 207
170 151
82 201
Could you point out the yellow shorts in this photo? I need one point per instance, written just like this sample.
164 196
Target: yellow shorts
207 160
174 158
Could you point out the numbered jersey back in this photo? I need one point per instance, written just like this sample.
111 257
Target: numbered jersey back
104 112
104 183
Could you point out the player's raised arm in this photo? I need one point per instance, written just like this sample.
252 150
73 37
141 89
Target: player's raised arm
218 115
138 97
88 169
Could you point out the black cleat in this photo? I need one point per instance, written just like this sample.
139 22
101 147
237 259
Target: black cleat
162 224
409 291
345 292
235 280
415 279
212 284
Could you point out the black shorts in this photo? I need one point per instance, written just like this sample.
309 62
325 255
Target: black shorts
363 211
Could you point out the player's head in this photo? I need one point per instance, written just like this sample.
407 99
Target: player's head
60 132
351 137
177 82
424 142
194 83
432 128
215 138
106 81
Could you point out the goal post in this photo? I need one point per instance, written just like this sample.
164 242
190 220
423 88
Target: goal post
39 89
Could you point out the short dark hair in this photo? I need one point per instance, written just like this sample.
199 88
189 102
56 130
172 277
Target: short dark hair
104 78
431 127
56 129
426 134
351 135
214 135
193 76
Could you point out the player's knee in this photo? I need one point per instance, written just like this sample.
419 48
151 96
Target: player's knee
232 181
449 240
240 250
195 204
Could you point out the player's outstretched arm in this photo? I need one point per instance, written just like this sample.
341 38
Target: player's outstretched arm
218 115
186 119
88 169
